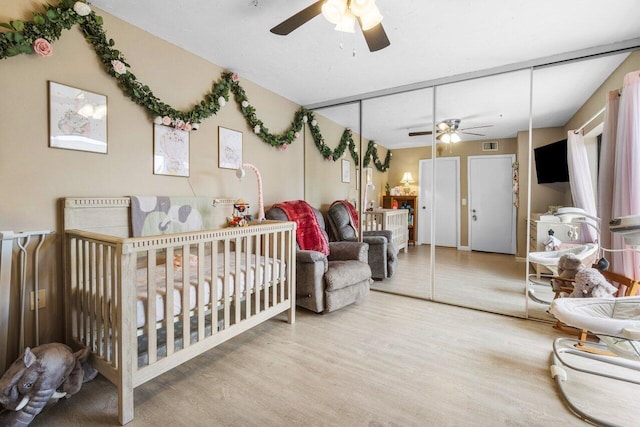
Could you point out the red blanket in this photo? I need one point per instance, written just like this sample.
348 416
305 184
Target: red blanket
308 233
353 214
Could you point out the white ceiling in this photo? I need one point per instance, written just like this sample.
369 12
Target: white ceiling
430 39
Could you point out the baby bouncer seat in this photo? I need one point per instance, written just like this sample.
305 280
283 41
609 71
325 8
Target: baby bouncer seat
616 322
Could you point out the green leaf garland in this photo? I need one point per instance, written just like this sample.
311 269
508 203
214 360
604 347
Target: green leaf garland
47 27
372 153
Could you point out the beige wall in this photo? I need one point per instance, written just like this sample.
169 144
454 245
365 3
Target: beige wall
34 177
407 160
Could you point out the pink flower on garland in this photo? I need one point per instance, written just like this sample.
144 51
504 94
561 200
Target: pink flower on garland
187 126
330 158
297 134
235 78
284 147
42 47
119 67
180 124
166 120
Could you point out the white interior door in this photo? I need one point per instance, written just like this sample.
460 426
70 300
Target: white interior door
447 194
492 216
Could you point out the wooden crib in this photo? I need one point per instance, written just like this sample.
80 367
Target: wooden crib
228 279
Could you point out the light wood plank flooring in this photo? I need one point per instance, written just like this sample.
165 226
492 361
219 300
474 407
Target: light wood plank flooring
485 281
388 361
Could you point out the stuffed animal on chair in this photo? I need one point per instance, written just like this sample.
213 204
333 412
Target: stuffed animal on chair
568 266
591 283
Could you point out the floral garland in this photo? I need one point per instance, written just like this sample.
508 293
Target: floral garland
36 36
372 153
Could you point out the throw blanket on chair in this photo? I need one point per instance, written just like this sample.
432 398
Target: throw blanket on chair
308 233
353 214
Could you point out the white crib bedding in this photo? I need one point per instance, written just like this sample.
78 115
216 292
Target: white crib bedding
272 270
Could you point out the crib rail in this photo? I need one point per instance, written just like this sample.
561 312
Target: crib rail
222 281
395 220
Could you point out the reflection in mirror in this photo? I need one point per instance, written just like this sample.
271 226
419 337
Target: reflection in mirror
328 179
394 202
479 245
566 97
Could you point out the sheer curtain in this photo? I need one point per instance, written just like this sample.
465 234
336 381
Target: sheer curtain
626 181
607 158
580 180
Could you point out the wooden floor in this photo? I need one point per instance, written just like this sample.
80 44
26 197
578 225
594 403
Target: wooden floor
388 361
486 281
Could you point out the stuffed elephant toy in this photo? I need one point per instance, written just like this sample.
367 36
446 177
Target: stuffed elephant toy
41 375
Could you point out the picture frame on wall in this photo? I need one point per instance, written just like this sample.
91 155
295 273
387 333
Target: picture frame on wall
229 148
170 151
77 119
346 171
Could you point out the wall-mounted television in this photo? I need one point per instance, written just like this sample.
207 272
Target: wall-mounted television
551 163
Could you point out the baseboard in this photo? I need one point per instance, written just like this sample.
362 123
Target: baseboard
464 248
521 259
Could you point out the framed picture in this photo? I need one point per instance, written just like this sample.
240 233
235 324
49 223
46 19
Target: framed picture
170 151
77 119
230 148
346 171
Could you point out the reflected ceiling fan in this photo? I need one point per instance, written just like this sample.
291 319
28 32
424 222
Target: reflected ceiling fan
342 13
450 131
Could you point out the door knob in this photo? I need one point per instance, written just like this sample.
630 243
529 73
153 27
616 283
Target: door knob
475 217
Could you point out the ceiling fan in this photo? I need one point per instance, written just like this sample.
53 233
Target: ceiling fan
342 13
449 131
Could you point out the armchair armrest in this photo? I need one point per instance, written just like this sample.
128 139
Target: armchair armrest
385 233
345 251
310 256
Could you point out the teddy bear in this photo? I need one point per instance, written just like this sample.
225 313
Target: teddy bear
568 266
591 283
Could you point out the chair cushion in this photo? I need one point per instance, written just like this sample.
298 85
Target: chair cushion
341 274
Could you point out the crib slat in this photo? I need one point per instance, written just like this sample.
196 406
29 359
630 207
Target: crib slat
186 303
225 287
259 280
98 299
86 290
214 287
106 298
272 273
250 276
168 302
280 263
115 297
152 335
200 297
237 299
267 285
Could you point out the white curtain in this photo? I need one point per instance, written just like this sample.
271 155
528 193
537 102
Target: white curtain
626 182
607 159
580 180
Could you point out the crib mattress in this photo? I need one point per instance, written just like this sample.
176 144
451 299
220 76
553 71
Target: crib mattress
266 269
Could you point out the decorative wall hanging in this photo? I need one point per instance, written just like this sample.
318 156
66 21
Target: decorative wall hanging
229 148
170 151
46 27
77 119
346 171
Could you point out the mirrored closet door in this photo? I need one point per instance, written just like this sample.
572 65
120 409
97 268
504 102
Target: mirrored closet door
566 97
402 122
479 213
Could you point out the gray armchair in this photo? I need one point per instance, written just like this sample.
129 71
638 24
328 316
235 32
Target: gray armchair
327 283
383 253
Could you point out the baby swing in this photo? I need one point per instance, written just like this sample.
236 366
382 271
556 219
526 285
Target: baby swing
550 259
615 321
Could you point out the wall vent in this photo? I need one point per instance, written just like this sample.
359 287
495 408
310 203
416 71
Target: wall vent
490 146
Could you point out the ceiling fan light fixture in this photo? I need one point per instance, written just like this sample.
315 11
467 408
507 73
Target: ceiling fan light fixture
455 137
361 7
445 137
333 10
347 23
443 126
371 18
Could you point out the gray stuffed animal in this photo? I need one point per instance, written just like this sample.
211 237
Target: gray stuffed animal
40 376
568 266
591 283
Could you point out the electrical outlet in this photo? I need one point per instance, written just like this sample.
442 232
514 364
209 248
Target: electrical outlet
42 299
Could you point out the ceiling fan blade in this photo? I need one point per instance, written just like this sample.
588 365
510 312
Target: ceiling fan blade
299 19
477 127
426 132
376 37
471 133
